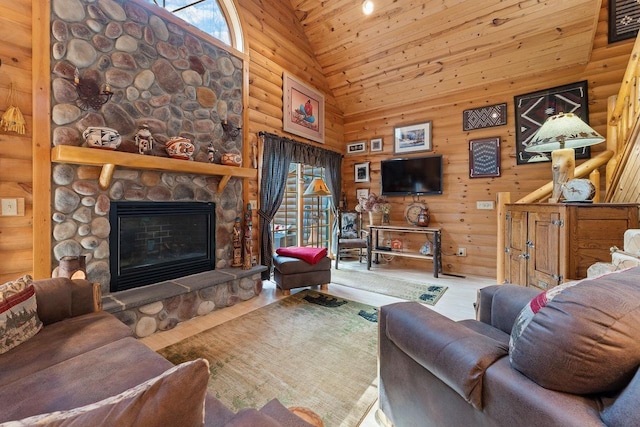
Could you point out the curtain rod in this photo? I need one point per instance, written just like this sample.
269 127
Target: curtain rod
273 135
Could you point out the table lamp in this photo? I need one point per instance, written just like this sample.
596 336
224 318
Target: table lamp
318 188
561 134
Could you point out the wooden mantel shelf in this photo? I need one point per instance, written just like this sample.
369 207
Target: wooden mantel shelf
108 160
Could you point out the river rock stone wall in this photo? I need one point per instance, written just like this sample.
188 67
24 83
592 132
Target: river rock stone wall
161 76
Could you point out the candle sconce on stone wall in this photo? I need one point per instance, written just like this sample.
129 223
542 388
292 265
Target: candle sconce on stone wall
89 94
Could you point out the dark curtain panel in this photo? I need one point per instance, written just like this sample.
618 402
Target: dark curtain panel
278 153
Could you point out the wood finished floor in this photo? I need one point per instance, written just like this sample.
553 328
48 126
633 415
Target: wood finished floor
456 303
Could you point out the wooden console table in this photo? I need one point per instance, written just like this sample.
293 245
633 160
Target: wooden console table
374 247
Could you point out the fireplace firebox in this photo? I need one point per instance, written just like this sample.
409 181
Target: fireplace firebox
155 241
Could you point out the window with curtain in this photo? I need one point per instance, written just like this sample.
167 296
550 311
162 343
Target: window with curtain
302 220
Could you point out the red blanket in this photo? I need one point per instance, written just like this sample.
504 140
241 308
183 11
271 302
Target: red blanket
310 255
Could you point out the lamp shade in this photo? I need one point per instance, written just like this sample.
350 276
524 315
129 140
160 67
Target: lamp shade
317 188
563 131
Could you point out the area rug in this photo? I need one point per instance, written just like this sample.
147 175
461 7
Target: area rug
385 285
309 349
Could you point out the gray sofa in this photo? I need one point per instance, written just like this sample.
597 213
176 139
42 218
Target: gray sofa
83 355
575 363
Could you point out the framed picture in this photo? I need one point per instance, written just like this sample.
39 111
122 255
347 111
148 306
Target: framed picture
303 107
484 157
362 193
376 144
357 147
484 117
412 138
361 172
624 20
533 109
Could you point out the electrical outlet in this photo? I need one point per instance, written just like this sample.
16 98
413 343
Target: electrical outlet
462 252
9 207
485 204
254 204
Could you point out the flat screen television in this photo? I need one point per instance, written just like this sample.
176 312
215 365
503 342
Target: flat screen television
412 176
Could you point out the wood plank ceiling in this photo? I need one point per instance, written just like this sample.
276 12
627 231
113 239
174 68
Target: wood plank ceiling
410 51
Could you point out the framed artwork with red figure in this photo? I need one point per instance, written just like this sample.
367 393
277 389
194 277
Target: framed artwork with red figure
303 107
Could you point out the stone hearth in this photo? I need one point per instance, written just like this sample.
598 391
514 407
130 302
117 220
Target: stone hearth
163 305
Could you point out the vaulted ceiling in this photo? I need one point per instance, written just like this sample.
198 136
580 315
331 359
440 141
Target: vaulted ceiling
414 50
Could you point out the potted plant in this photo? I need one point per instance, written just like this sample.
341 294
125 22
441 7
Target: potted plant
375 206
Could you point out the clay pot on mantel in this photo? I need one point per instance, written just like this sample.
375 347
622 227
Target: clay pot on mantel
102 137
231 159
180 148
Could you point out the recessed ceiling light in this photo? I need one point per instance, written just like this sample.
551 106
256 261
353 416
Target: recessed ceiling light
367 7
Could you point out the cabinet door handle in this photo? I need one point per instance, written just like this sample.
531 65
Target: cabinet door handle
530 244
524 256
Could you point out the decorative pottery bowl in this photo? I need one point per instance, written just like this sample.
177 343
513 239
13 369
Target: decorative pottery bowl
180 148
231 159
102 137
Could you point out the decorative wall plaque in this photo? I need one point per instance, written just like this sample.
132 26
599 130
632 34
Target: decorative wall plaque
484 117
624 19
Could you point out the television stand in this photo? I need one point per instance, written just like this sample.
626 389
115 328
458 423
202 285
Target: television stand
375 249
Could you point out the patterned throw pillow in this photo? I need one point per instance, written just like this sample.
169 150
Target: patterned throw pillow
527 313
18 313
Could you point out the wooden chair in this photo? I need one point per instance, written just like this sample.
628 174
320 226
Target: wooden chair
351 235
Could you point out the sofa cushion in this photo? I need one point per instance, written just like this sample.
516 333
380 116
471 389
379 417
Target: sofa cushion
61 341
86 378
18 313
175 397
586 339
310 255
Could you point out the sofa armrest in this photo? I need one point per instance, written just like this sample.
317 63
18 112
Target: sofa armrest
499 305
60 298
455 354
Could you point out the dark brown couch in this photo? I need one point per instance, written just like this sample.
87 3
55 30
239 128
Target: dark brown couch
575 364
84 355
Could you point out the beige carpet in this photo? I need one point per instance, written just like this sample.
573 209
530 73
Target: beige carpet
384 284
323 357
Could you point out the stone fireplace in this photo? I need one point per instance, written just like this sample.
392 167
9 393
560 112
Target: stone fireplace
178 84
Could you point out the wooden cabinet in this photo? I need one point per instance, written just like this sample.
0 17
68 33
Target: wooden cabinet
547 244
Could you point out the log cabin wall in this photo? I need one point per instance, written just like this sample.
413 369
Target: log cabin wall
16 179
463 225
276 43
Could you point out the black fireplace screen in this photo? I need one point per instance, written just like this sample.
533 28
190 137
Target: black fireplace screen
151 242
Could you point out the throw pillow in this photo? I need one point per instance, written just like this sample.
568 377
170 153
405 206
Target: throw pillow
310 255
173 398
18 313
585 339
529 310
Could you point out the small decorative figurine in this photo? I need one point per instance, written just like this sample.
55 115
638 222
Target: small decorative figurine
237 244
144 139
211 153
247 239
